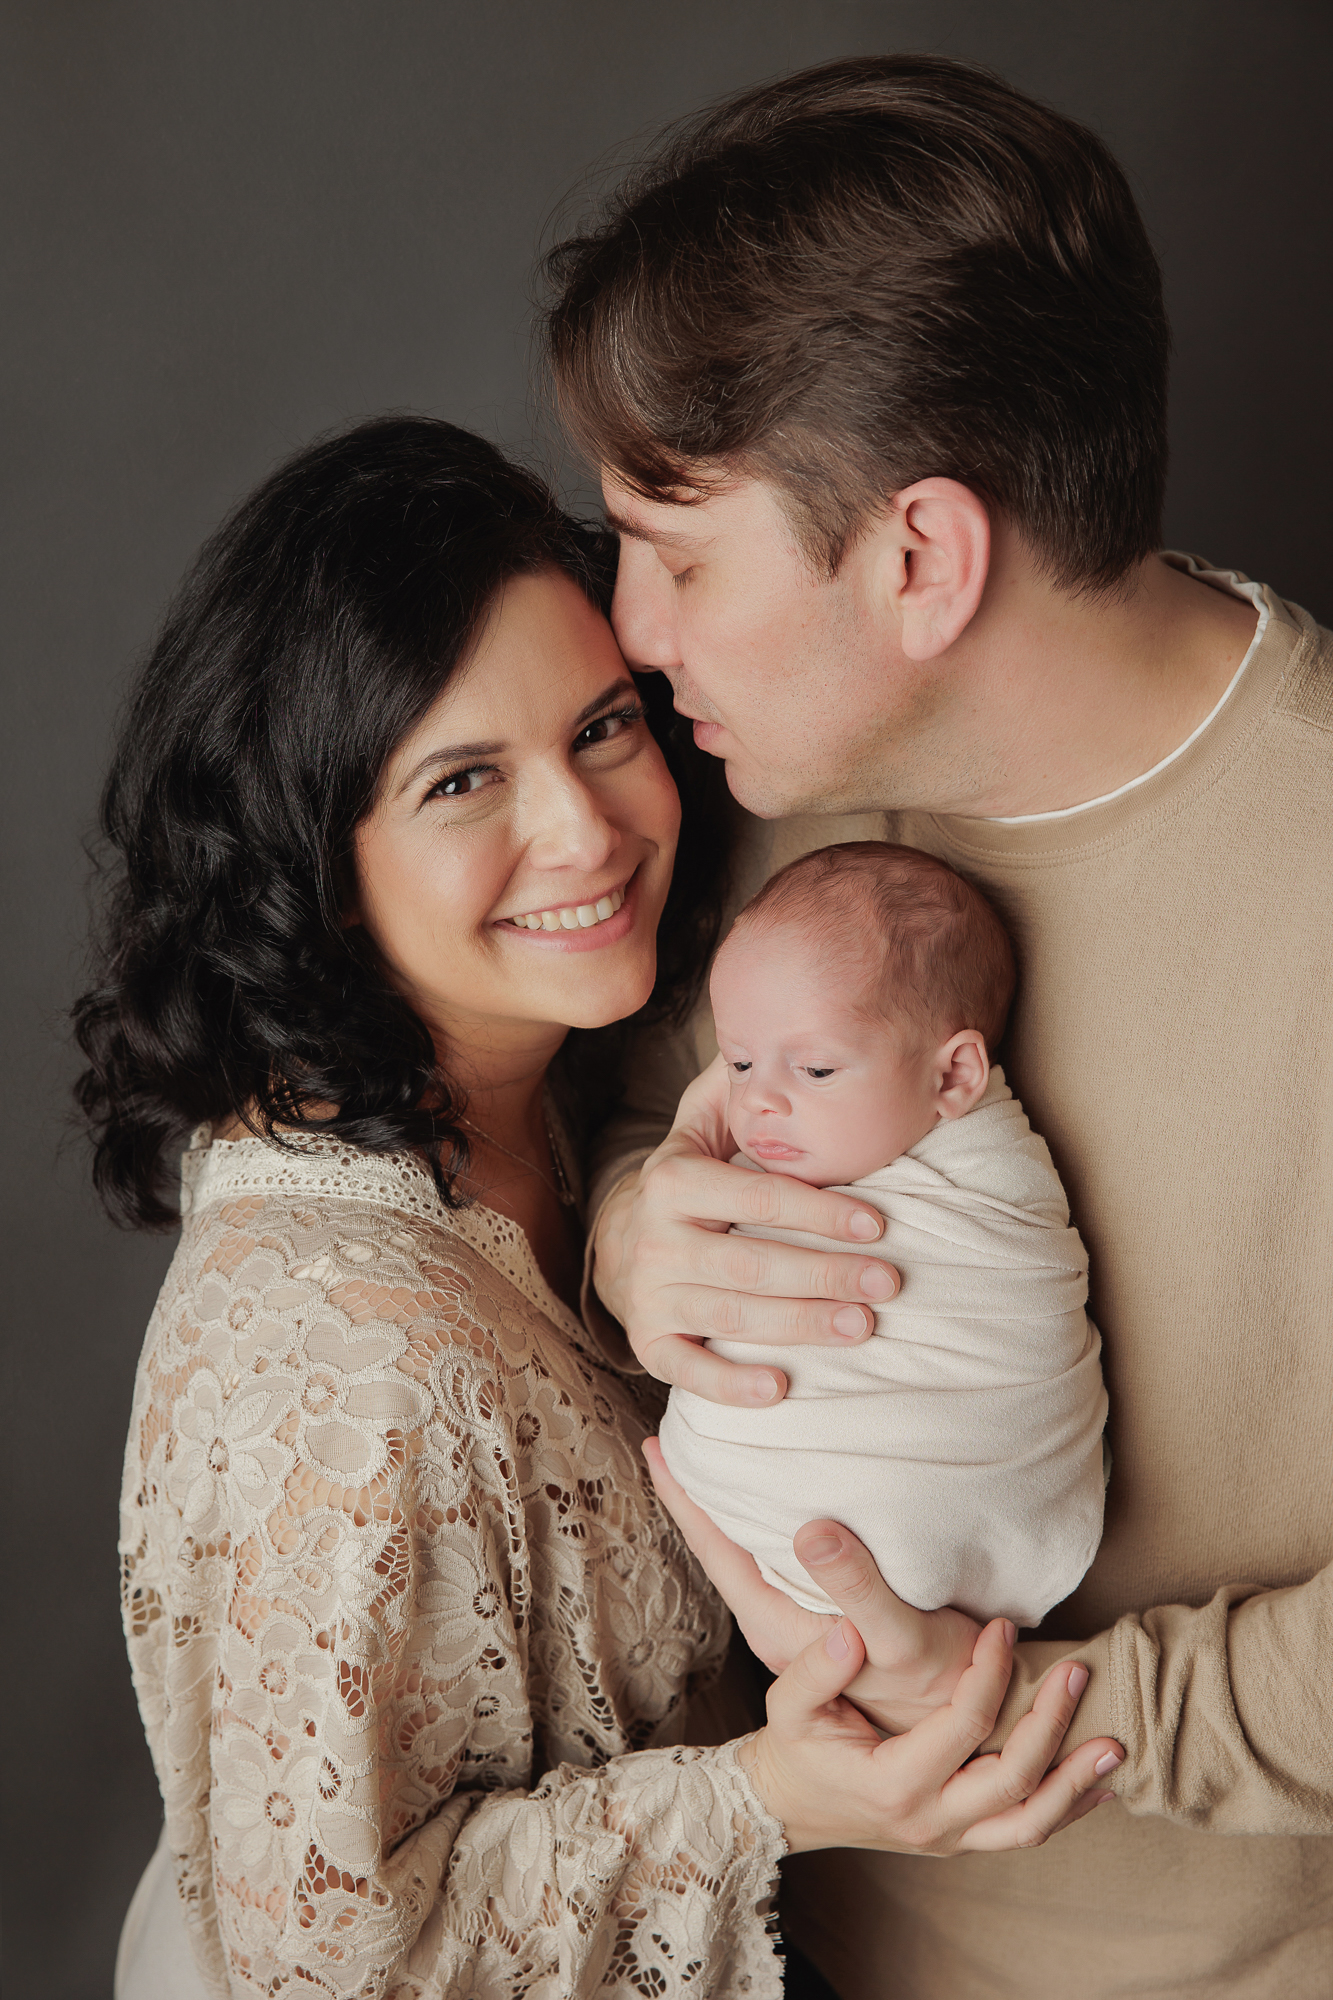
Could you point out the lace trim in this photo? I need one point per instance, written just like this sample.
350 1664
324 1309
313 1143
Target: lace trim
215 1170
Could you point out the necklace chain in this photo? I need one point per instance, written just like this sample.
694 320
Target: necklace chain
559 1187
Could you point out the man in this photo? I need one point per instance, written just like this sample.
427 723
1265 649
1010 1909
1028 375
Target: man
874 362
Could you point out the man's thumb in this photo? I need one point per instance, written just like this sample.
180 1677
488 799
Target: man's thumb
817 1676
701 1115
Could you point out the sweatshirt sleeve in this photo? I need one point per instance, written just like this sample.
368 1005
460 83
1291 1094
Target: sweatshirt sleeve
1225 1710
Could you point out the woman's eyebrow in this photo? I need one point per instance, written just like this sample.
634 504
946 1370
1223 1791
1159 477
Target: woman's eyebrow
458 753
622 686
449 753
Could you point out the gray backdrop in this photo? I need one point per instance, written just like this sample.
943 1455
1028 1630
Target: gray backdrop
230 226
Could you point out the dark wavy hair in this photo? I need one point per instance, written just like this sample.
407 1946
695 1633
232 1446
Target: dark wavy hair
316 628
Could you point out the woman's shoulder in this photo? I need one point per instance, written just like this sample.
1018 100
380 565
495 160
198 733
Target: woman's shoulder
316 1253
323 1312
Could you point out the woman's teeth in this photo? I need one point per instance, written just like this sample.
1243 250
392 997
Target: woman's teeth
574 916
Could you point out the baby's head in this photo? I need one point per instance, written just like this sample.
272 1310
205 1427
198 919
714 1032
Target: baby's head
855 999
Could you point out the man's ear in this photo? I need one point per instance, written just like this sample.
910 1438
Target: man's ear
962 1071
933 561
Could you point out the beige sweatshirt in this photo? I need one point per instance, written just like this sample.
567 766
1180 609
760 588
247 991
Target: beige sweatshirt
1171 1043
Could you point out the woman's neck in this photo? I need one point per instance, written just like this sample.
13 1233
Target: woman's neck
512 1166
504 1087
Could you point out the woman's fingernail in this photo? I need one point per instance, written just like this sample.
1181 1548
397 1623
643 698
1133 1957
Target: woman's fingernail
1010 1632
851 1321
877 1282
865 1226
1108 1763
764 1387
1105 1798
823 1549
835 1645
1078 1680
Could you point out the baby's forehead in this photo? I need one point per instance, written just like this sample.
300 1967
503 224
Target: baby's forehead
789 973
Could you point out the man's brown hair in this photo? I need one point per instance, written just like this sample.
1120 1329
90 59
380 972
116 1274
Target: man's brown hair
944 958
879 271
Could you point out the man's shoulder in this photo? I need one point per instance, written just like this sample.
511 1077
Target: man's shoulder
1306 692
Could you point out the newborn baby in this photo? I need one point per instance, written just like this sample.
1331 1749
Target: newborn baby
855 1002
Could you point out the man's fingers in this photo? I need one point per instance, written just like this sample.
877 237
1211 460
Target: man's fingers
687 1365
733 1572
710 1313
844 1568
732 1569
700 1189
786 1271
701 1115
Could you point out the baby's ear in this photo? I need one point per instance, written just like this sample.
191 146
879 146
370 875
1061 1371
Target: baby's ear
962 1070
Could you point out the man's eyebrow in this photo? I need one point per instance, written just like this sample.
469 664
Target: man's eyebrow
462 753
638 533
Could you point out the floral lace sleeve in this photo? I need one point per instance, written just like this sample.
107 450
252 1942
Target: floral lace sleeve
411 1640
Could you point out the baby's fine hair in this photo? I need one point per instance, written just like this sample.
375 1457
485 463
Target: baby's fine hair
947 962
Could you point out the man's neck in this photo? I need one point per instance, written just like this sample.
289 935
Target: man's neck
1069 698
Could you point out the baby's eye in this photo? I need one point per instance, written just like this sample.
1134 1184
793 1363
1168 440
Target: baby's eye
817 1072
459 783
741 1067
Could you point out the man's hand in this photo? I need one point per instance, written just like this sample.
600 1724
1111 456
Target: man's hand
914 1659
666 1267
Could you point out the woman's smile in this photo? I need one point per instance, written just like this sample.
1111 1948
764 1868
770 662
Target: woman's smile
603 918
515 868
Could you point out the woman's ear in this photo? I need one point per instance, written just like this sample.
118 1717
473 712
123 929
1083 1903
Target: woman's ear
962 1071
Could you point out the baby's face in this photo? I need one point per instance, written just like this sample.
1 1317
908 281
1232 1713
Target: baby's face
818 1090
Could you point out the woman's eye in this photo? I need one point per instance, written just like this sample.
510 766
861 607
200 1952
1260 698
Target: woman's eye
459 783
680 577
608 726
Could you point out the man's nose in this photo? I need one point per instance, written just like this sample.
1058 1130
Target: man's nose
643 611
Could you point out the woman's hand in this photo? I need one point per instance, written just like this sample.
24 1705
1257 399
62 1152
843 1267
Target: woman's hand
914 1659
666 1267
829 1777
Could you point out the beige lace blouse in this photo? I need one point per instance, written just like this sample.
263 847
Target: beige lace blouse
411 1638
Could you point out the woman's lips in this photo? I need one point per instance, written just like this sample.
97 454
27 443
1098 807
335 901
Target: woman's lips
609 930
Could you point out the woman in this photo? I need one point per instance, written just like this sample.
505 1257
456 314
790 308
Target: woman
412 1639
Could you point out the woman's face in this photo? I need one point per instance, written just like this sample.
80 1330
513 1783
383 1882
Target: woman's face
513 869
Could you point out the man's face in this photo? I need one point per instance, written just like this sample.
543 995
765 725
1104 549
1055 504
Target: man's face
796 678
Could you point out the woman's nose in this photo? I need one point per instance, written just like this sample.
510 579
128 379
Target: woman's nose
567 827
643 611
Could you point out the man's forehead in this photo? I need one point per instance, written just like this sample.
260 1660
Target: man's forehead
689 522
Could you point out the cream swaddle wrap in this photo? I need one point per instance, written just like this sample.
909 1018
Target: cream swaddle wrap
963 1441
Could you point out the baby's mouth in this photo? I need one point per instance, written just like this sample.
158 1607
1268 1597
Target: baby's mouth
774 1149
